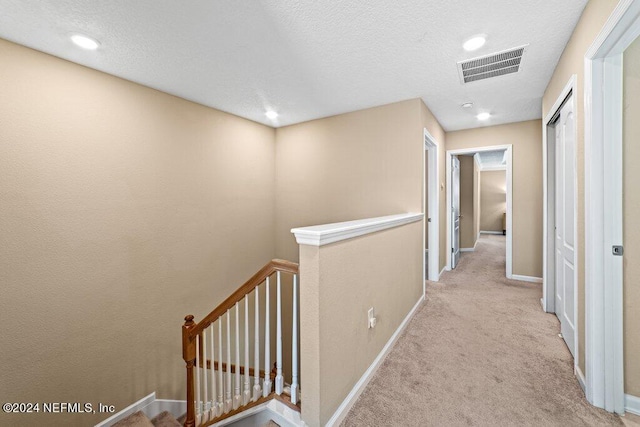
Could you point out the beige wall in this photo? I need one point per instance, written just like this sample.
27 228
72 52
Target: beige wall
357 165
493 200
526 139
342 281
467 237
571 62
431 124
121 210
631 236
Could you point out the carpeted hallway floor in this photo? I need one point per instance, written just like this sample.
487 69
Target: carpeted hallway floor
479 352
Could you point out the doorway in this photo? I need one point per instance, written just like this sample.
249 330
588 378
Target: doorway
507 158
606 203
455 211
431 209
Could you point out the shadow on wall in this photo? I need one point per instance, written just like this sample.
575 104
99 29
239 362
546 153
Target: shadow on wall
493 200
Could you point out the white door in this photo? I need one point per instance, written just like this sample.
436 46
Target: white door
564 222
455 211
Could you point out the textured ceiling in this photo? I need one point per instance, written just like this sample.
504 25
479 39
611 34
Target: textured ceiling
308 59
492 159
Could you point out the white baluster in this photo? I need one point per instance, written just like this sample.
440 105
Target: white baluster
236 395
205 405
212 404
220 404
294 345
279 377
266 384
228 403
256 364
247 381
198 362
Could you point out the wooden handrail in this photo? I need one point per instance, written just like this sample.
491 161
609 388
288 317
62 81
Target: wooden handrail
266 271
192 332
189 356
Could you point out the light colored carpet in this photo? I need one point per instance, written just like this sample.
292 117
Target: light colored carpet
479 352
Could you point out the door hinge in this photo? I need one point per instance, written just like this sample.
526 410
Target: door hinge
452 251
617 250
428 219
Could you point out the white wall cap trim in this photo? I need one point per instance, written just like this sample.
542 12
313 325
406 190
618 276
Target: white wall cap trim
319 235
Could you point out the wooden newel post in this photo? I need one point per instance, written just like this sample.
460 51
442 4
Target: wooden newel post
189 356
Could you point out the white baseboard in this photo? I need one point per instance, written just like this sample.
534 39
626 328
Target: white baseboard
443 270
526 278
467 249
359 387
273 410
632 404
131 409
490 232
176 407
150 406
581 379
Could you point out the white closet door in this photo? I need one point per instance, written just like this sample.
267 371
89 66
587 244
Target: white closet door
565 220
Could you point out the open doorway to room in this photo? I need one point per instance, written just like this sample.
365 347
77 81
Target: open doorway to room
431 209
479 201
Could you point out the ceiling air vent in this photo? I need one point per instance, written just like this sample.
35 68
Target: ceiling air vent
493 65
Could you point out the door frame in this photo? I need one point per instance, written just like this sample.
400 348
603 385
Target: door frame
450 216
431 209
509 158
548 215
604 352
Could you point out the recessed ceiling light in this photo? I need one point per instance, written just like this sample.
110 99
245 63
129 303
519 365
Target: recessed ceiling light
467 105
85 42
483 116
271 115
475 42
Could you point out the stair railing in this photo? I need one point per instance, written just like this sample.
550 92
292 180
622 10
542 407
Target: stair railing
218 389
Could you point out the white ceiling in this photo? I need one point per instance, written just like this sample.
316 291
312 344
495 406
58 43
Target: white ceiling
308 59
492 159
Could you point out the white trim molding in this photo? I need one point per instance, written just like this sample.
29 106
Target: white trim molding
431 208
493 168
509 158
320 235
468 249
359 387
523 278
632 404
129 410
604 352
273 410
581 379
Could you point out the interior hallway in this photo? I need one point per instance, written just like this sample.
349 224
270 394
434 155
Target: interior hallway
480 351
